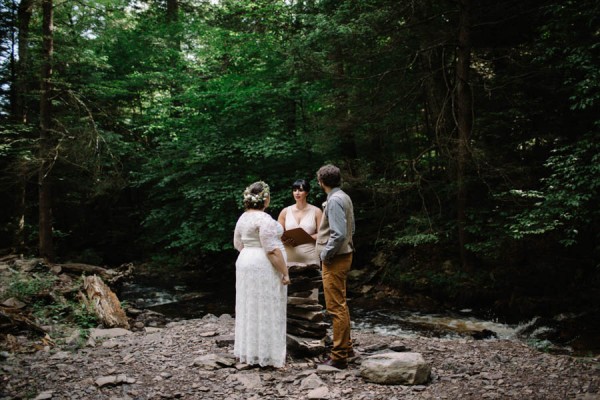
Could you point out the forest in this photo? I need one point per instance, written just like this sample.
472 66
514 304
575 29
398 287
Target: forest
467 133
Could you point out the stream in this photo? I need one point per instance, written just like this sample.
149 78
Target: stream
562 334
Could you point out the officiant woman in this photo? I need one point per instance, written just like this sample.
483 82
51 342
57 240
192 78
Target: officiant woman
301 215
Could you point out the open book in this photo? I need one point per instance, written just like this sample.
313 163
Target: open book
298 235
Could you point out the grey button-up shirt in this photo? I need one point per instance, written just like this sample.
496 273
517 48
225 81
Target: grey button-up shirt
337 225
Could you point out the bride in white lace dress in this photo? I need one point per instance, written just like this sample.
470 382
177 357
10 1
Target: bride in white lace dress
260 284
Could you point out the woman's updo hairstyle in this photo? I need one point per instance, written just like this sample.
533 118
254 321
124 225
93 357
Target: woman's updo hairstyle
256 195
301 184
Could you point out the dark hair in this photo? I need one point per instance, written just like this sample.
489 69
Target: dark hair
301 184
329 175
255 195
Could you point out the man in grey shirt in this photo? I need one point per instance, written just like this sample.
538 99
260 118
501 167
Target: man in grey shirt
335 248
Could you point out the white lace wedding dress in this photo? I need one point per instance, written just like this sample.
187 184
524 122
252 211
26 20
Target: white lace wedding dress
261 299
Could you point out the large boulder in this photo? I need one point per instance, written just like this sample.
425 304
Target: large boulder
395 369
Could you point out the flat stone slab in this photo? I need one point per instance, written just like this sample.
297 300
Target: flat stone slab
396 369
108 333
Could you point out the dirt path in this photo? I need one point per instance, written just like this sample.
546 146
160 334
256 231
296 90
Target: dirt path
164 363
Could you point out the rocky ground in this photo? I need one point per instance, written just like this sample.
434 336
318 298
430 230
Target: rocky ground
192 359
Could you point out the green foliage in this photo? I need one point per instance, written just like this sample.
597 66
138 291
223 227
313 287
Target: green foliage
567 199
395 277
569 43
569 196
228 131
435 279
68 311
52 313
160 124
417 232
84 317
416 239
489 244
25 287
452 284
37 290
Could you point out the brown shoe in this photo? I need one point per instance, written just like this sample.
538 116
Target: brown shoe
339 364
353 357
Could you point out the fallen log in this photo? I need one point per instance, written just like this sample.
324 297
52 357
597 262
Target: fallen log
87 268
14 318
10 257
108 275
104 302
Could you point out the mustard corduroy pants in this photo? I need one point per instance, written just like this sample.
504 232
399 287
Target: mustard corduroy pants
334 289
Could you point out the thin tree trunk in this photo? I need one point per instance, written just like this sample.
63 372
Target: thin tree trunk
174 30
172 11
19 234
13 67
20 113
24 13
174 55
438 112
46 248
464 120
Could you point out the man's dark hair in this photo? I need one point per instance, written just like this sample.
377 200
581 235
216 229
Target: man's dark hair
329 175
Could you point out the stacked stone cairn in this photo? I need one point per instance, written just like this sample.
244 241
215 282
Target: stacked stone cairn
306 328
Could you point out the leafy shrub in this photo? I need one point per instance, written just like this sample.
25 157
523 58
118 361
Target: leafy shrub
25 287
47 306
568 200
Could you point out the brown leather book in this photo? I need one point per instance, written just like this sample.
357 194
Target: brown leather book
298 235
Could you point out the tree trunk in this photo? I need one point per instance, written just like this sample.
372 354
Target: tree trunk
438 111
24 13
174 30
19 233
463 112
20 113
172 11
111 276
105 303
345 129
174 34
46 248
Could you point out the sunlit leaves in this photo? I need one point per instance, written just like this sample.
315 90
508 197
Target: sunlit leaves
570 195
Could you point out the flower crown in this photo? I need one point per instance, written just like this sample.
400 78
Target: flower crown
256 198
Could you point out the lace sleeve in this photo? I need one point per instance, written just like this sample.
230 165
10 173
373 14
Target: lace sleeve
237 238
270 234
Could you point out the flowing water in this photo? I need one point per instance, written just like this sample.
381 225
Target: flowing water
406 323
182 301
179 301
